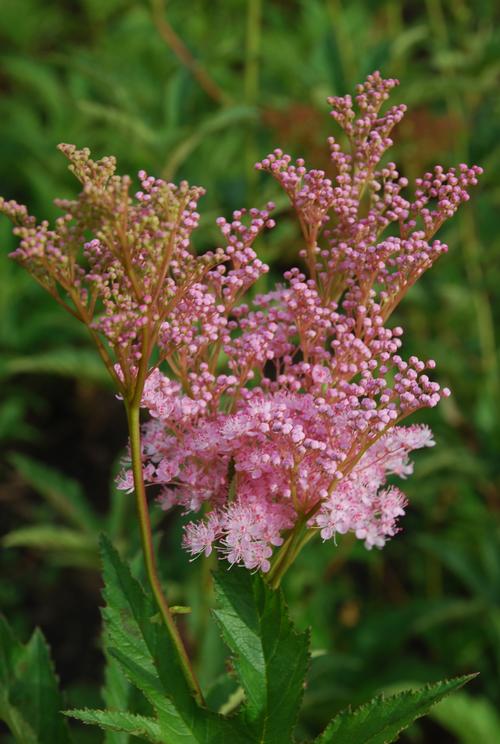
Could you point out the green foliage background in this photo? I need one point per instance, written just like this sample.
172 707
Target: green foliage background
201 90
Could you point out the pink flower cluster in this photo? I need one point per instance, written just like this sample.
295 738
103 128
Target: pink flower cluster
285 412
278 457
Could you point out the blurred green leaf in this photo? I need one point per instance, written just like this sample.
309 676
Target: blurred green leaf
470 719
122 506
228 117
123 121
64 494
78 363
41 81
52 538
481 574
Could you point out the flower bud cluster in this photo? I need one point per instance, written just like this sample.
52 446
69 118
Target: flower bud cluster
344 217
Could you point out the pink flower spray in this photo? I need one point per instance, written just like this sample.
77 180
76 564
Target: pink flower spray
281 418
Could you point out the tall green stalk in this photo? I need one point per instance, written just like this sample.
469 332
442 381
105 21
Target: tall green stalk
133 412
253 37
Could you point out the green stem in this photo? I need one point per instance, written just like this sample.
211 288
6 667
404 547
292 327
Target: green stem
133 411
254 15
251 80
289 551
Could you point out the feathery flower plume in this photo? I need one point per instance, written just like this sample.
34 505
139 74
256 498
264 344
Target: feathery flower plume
282 417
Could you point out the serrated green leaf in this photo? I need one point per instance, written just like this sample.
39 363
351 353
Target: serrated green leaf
10 651
148 658
120 721
271 657
382 719
37 693
150 685
116 695
64 494
142 673
30 702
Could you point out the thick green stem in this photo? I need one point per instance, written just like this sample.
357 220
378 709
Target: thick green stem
288 552
148 550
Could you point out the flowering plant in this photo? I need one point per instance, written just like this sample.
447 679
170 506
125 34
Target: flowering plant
271 421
